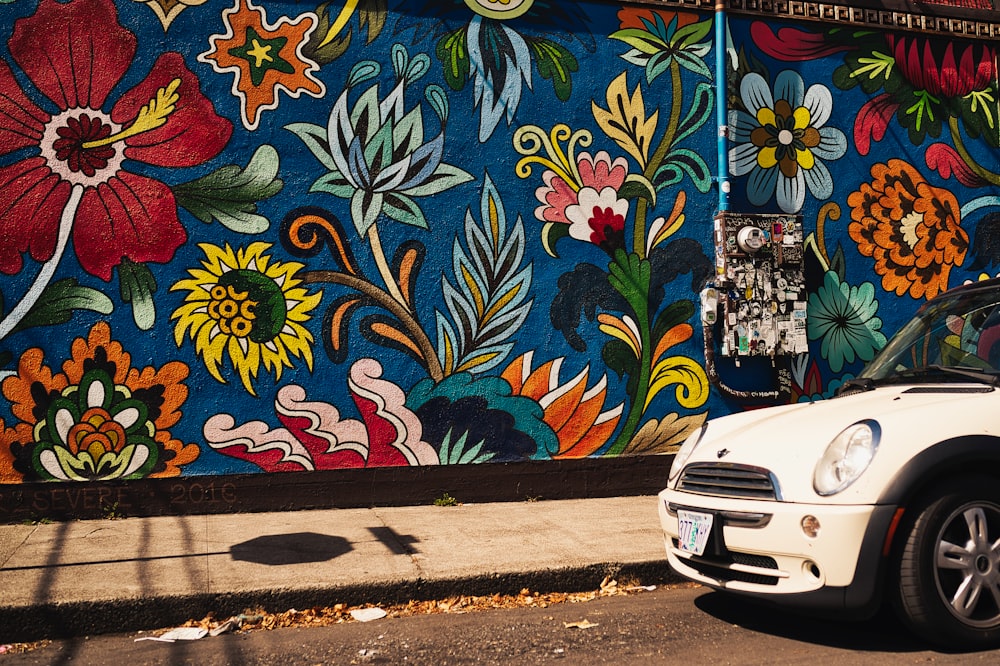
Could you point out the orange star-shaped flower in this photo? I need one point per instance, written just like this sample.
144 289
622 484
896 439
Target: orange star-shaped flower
265 58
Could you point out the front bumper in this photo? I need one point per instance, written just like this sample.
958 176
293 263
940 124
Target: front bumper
757 548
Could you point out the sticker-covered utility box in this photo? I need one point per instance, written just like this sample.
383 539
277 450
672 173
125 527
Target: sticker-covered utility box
761 285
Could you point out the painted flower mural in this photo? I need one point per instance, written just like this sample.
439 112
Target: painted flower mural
843 318
164 121
314 436
264 58
583 196
73 181
911 229
781 140
244 305
98 419
573 411
497 53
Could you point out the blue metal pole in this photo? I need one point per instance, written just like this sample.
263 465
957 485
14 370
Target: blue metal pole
721 110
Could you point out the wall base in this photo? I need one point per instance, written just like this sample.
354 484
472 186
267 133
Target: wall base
350 488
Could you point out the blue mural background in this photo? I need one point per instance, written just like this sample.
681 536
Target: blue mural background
591 279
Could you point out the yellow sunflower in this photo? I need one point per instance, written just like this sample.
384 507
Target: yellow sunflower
247 306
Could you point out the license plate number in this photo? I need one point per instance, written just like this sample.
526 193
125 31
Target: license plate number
694 530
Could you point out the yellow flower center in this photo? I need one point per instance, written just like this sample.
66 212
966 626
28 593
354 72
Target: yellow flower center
233 310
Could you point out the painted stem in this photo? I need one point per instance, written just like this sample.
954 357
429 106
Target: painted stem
387 301
383 268
641 208
44 276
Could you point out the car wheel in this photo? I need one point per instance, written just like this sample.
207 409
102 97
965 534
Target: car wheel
948 584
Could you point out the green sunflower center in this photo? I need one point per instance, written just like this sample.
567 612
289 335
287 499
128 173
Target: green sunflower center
248 304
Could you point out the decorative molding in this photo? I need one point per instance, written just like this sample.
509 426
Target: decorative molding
964 23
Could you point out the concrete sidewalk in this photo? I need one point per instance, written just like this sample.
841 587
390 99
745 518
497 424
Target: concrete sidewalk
102 576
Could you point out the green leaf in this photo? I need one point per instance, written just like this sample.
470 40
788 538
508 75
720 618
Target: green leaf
230 194
676 313
691 33
58 302
137 286
640 40
556 63
454 59
630 275
552 232
620 358
838 264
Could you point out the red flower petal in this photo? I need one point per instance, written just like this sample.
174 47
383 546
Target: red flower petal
193 132
792 44
129 216
21 122
31 202
942 158
872 121
74 52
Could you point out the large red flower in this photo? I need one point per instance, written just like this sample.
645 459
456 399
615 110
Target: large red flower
75 54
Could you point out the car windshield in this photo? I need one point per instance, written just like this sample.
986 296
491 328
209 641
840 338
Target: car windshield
955 337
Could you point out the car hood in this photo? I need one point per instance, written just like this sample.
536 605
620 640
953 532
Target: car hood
790 439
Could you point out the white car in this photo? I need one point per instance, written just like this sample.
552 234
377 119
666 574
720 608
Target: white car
888 492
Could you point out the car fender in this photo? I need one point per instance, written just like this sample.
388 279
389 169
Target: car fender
973 453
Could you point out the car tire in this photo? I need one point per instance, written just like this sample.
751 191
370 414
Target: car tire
947 584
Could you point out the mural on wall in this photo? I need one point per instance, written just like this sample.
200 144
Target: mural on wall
243 237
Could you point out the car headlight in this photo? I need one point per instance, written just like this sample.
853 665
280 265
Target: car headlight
687 448
846 458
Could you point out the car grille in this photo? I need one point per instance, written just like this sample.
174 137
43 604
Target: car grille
722 569
728 480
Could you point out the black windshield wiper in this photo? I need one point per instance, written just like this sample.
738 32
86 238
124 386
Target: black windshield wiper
975 374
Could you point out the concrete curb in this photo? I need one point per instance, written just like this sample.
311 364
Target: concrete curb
73 619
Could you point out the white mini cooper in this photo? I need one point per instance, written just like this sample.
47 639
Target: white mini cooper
890 491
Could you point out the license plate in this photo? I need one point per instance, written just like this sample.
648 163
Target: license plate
694 530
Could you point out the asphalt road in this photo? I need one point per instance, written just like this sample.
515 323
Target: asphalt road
685 625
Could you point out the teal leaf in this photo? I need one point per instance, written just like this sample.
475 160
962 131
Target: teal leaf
404 209
316 140
692 63
137 285
334 183
230 194
702 107
365 209
58 302
444 178
680 162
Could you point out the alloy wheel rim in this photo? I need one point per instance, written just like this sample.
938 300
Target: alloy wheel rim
967 564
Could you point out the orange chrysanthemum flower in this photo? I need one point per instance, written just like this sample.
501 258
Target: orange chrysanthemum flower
98 419
909 227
